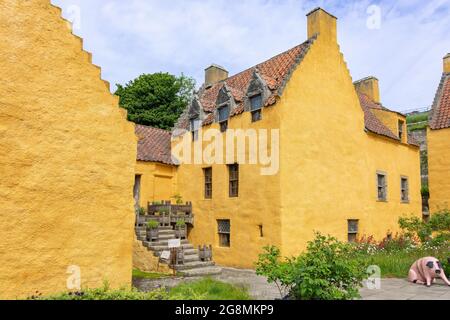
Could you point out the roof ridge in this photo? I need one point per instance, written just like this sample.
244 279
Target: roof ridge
267 60
435 109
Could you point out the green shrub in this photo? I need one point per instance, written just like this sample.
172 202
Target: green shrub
436 230
178 199
328 270
180 224
277 271
141 211
152 225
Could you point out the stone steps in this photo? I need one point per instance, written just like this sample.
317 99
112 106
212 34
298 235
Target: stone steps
162 248
202 272
192 266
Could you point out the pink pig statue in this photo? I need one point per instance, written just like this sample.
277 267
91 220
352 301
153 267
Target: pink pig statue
425 271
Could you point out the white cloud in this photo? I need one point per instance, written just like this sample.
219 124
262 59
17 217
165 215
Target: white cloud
140 36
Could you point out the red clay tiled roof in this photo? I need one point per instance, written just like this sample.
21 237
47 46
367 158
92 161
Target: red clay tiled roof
154 145
373 124
274 72
440 115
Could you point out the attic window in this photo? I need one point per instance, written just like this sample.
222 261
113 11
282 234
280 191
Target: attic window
224 114
400 129
195 126
256 104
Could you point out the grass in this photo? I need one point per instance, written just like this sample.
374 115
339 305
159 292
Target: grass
397 264
209 289
205 289
138 274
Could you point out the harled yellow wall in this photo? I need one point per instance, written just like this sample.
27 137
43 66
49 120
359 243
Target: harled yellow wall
439 168
327 171
391 120
332 161
158 182
258 203
67 160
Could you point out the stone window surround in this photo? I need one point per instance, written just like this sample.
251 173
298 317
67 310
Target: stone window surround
352 229
233 177
385 175
404 178
224 232
208 186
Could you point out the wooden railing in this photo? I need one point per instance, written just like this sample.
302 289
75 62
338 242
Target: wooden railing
167 213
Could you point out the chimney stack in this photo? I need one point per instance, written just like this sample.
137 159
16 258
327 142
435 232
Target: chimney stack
447 63
323 23
369 86
215 74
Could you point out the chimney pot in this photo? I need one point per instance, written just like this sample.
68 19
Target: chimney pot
323 23
214 74
370 87
447 63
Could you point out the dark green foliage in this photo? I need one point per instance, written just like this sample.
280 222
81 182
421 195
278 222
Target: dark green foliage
328 270
157 99
418 117
436 231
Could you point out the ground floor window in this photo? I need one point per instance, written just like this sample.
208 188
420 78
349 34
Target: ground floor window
353 229
224 227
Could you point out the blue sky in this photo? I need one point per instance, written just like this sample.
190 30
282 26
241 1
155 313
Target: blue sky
400 42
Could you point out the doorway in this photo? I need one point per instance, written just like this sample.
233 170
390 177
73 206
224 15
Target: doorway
137 192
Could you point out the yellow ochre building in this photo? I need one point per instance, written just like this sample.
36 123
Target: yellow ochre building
67 161
340 162
439 144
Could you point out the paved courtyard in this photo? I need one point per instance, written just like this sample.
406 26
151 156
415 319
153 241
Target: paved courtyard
259 289
401 289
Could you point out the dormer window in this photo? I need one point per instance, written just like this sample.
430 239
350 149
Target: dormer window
195 127
224 114
256 104
400 129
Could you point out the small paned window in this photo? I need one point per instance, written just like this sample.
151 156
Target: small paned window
233 171
353 229
381 187
208 182
224 227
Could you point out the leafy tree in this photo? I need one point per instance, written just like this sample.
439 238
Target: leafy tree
156 99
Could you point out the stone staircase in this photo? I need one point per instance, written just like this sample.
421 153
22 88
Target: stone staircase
192 265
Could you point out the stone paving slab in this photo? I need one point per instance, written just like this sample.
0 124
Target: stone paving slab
259 289
401 289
